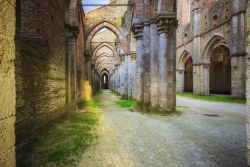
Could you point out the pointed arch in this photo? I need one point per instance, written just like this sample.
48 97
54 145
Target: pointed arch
213 42
99 26
183 58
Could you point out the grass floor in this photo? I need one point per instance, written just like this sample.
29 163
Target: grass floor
129 104
62 142
219 98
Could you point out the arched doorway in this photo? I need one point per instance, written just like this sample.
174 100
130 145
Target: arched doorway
188 75
105 81
220 70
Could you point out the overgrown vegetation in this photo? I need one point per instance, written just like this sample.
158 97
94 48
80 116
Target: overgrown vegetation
62 142
219 98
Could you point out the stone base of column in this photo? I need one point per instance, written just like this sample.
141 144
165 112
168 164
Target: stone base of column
238 77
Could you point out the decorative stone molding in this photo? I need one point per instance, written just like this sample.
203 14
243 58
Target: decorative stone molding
73 32
196 10
164 22
138 30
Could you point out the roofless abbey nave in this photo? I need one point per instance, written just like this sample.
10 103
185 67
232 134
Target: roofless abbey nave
124 83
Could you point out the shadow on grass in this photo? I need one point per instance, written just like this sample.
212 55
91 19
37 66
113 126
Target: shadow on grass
219 98
62 142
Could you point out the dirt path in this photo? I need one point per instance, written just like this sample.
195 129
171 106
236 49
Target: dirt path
190 140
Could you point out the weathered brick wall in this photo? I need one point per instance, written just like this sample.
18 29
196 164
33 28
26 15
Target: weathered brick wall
40 68
80 56
7 82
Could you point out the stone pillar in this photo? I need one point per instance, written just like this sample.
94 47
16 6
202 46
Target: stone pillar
134 84
93 78
9 53
247 33
71 63
167 66
138 29
154 67
130 77
180 81
146 66
238 52
116 78
126 77
200 85
119 80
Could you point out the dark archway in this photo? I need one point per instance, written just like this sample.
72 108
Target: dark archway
220 70
105 81
188 75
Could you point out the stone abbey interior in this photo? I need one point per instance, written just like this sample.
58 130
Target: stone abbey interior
161 83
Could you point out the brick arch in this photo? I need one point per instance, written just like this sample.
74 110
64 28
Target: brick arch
99 26
100 46
105 57
105 71
183 59
213 42
99 69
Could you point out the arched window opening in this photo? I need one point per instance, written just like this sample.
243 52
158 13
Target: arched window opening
220 70
188 75
105 81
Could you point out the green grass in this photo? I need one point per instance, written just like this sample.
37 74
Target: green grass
62 142
218 98
129 104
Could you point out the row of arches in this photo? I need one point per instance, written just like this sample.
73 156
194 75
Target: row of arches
105 44
219 63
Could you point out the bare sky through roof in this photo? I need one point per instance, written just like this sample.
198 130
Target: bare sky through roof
90 8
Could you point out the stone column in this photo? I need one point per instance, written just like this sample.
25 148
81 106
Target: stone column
146 66
93 78
180 81
129 77
167 66
154 67
248 77
71 63
238 52
119 80
200 84
138 32
116 78
134 85
126 77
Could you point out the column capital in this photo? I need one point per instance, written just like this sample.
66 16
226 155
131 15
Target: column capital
138 30
164 21
73 31
196 10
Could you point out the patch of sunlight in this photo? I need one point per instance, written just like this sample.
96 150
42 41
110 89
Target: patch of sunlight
87 90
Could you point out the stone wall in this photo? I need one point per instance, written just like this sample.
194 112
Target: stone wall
7 82
247 18
210 21
40 68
